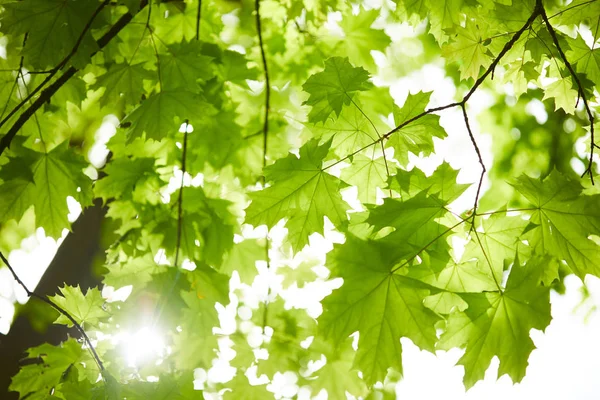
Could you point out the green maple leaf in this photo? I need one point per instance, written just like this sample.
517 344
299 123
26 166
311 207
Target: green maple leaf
300 274
367 174
581 11
334 87
564 95
56 175
84 308
381 305
349 132
496 243
457 277
290 327
562 220
242 258
39 379
587 60
133 271
195 345
416 136
53 28
122 82
468 49
302 192
443 15
416 227
441 183
498 324
360 38
124 175
337 376
184 66
241 389
168 387
163 113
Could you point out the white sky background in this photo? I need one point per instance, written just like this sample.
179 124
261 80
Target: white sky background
566 363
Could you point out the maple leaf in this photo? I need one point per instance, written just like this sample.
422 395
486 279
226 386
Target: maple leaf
468 48
381 305
416 228
368 174
56 175
164 112
122 82
337 376
349 132
84 308
360 39
416 136
242 258
587 59
124 175
39 379
564 95
184 66
53 27
302 192
441 183
334 87
443 14
562 220
498 324
496 243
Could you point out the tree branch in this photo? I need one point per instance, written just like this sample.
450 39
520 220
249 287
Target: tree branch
59 309
198 18
579 87
509 45
47 93
265 132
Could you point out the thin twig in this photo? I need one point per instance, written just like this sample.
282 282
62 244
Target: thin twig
198 19
58 308
265 132
47 93
483 170
542 12
180 198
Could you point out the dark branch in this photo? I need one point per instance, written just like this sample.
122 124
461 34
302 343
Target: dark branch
198 18
265 133
581 93
58 308
483 170
47 93
180 198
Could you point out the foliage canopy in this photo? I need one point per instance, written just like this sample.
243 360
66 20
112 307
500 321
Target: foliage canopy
280 113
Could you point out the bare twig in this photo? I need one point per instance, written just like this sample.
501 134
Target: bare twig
198 19
47 93
180 198
265 132
483 170
58 308
582 95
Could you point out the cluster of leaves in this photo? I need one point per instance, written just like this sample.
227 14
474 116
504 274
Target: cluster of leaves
192 83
